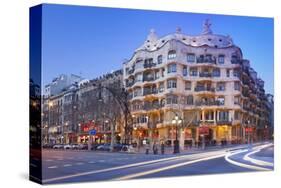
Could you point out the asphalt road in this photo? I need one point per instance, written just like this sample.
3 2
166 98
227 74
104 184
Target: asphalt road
78 166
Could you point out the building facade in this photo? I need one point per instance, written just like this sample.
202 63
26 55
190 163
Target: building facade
193 89
71 113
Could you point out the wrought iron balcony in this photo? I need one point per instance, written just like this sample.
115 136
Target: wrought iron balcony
149 91
149 65
131 71
130 84
151 105
224 122
148 79
209 103
205 74
205 59
200 88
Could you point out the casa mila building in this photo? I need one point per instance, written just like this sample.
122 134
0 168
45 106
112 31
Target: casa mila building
194 90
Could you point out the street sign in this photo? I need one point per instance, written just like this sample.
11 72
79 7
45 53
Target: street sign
92 132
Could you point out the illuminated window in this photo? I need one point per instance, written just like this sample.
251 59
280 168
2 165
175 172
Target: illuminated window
172 54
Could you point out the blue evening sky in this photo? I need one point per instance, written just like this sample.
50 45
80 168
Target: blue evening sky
90 41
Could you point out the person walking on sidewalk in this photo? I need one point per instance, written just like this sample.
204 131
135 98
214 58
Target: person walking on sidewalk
162 148
154 148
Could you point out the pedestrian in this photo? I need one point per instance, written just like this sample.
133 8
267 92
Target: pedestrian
146 149
154 148
162 148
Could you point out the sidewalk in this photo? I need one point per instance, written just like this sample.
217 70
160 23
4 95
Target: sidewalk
170 150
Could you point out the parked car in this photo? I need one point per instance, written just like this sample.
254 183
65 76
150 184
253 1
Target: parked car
104 147
95 146
58 146
117 147
83 146
67 146
74 146
128 148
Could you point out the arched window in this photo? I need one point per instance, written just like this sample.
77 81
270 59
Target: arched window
172 54
159 59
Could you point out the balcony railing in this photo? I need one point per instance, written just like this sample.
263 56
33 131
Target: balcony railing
224 122
206 60
131 71
236 61
151 106
209 103
149 65
130 84
205 74
149 91
199 88
148 79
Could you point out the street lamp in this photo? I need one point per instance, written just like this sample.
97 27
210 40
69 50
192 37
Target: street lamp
176 121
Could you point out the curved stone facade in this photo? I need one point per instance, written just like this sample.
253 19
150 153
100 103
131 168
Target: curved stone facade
203 80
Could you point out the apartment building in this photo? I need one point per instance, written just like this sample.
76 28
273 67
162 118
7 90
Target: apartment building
193 88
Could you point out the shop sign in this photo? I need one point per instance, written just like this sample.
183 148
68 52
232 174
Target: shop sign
204 130
249 129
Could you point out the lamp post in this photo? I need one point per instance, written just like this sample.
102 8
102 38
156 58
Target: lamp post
247 122
176 121
50 105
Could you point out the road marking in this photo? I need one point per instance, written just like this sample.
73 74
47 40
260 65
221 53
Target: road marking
66 165
108 169
101 161
91 162
79 163
127 166
53 167
49 160
227 158
168 167
256 161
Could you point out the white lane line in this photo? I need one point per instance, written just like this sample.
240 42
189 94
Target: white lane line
130 165
53 167
101 161
91 162
227 158
109 169
49 160
256 161
168 167
66 165
79 163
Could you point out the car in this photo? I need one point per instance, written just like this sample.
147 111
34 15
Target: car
94 146
118 147
128 148
74 146
58 146
104 147
82 146
67 146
